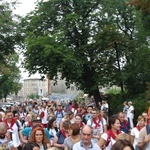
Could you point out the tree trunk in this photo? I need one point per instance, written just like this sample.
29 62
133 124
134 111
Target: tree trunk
97 96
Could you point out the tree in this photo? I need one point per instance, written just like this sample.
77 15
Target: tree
88 42
8 40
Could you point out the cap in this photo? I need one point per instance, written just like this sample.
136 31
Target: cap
36 118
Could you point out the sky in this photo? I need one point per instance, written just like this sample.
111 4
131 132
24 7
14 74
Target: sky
25 7
22 9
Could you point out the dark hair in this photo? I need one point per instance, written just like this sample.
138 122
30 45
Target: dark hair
66 124
50 123
30 146
75 127
112 121
121 144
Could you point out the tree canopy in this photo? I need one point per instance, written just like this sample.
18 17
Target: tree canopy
89 42
9 72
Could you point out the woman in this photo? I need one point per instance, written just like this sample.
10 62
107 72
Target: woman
61 135
122 145
78 120
109 138
74 137
135 131
50 113
68 117
28 121
52 128
31 146
38 136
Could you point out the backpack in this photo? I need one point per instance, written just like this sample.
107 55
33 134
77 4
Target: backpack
58 113
17 123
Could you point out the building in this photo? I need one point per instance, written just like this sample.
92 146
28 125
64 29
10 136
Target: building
45 88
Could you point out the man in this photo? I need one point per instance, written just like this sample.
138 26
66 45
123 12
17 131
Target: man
5 138
13 128
85 142
125 127
144 137
89 114
130 114
98 124
59 114
44 115
26 132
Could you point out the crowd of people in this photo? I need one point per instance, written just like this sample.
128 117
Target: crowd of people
72 126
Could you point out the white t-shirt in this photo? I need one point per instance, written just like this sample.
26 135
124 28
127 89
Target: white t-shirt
129 112
135 133
97 130
111 143
15 135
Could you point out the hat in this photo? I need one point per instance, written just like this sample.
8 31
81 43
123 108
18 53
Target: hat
36 118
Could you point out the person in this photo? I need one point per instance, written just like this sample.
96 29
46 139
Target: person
31 146
5 138
125 126
52 128
26 132
125 109
135 131
98 123
38 136
85 142
130 114
68 117
122 145
59 114
44 114
89 114
61 135
78 120
13 128
28 121
109 138
74 137
105 107
144 137
145 116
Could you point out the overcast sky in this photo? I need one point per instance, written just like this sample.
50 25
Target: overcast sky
22 9
25 7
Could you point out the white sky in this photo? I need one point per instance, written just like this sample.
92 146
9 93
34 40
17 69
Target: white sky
22 9
25 7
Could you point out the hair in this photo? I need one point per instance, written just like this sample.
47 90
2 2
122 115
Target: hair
86 127
78 115
30 146
8 111
68 114
66 124
50 123
95 109
112 120
32 137
75 127
121 144
141 117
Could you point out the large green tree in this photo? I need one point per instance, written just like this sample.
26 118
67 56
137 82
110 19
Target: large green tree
89 42
9 72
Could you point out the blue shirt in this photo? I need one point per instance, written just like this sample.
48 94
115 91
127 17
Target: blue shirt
27 132
80 146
